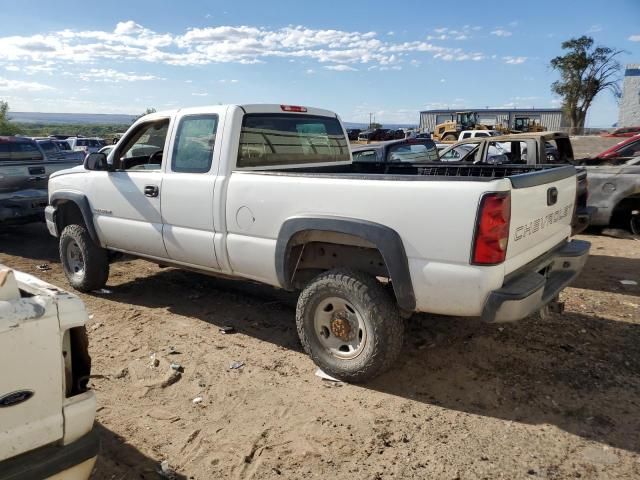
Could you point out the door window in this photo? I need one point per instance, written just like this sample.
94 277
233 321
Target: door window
144 148
193 147
365 156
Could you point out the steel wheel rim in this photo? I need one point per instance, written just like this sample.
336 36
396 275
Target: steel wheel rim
74 259
340 328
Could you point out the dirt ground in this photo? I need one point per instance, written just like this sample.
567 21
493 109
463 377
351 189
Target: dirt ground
556 399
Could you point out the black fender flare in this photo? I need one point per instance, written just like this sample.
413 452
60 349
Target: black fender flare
386 240
82 203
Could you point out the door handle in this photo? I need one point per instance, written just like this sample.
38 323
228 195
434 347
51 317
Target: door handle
151 190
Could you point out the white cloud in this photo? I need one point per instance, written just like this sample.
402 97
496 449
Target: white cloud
391 33
341 68
228 81
200 94
513 23
131 41
500 32
594 29
514 60
445 33
109 75
634 38
442 80
21 86
310 71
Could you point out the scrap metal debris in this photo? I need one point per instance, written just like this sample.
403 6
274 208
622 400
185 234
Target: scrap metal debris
628 282
103 291
166 471
43 267
325 376
227 329
236 365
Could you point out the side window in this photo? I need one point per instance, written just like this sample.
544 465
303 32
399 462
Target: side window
365 156
19 151
412 153
143 149
466 135
631 150
482 134
193 147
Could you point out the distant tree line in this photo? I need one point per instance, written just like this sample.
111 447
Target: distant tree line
86 130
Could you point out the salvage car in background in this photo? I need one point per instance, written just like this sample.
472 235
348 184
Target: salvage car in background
46 408
352 133
69 153
408 151
614 193
542 148
84 144
618 153
24 172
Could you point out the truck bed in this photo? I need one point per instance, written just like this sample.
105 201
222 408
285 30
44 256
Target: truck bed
519 174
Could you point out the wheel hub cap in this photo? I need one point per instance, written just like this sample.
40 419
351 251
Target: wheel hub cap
340 328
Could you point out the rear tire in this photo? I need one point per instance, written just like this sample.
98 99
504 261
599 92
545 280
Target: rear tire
634 222
350 325
85 264
449 137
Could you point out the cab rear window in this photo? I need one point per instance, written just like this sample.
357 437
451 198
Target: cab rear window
268 140
19 151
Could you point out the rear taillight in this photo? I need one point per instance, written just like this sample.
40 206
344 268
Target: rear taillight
492 229
293 108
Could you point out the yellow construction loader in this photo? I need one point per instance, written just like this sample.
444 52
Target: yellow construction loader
527 125
448 131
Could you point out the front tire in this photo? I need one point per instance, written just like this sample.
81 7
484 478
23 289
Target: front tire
349 325
85 264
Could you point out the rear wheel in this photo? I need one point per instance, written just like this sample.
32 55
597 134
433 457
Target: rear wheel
85 264
449 137
349 325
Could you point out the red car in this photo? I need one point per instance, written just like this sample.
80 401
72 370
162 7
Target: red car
619 152
623 132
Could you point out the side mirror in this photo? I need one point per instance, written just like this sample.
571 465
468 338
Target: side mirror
96 161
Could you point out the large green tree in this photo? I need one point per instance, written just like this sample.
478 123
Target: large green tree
585 71
6 126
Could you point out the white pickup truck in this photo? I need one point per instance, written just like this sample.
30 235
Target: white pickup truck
269 193
46 410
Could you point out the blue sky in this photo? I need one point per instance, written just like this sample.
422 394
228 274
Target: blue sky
354 57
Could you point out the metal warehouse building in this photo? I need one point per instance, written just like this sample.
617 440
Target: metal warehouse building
551 118
630 102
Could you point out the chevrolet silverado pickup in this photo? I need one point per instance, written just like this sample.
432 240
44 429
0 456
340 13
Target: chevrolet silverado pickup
270 193
46 409
24 172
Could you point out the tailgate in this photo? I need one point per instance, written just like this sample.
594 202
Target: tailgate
15 176
542 205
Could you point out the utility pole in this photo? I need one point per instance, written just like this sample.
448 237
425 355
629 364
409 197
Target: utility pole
370 114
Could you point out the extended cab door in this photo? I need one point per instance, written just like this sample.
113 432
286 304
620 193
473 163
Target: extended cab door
126 201
187 196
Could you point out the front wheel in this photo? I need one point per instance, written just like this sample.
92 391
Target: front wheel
349 325
85 264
